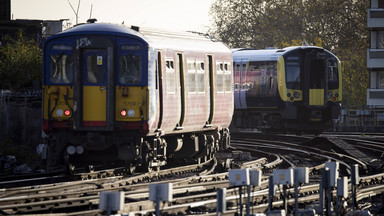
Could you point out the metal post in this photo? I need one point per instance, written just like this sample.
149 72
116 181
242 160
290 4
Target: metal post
249 199
329 192
323 188
270 193
296 196
109 204
285 204
241 202
157 201
354 183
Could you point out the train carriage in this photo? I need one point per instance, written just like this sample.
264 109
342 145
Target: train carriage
138 97
294 89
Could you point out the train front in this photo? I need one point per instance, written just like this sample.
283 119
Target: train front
95 94
310 84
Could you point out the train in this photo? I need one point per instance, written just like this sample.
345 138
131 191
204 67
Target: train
296 89
134 97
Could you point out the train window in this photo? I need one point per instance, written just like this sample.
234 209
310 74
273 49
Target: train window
381 79
95 70
200 77
170 76
333 81
130 69
237 76
61 68
219 77
191 76
227 77
169 65
292 71
380 40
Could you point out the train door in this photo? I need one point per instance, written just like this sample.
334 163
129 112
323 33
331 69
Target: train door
211 97
160 83
237 83
94 88
181 90
243 83
316 65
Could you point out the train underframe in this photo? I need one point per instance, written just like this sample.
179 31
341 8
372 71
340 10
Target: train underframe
92 150
294 119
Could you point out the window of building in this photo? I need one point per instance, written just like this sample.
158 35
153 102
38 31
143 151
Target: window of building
380 3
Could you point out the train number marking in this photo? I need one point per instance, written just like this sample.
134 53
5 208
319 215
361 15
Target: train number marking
129 103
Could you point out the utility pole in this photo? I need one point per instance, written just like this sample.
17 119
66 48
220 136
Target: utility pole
76 12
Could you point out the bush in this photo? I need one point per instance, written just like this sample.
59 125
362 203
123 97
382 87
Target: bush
20 63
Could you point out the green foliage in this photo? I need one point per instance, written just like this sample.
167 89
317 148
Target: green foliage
336 25
20 63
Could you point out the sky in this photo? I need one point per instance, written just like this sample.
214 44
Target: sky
189 15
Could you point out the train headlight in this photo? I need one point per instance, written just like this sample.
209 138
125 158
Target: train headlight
296 94
123 112
71 150
337 95
59 112
329 95
79 150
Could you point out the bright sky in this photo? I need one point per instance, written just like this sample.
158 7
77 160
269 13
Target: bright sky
165 14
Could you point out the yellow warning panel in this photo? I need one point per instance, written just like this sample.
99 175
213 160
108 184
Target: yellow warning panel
316 97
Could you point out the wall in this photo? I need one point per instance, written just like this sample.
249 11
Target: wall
20 117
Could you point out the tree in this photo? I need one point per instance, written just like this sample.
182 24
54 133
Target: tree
336 25
20 63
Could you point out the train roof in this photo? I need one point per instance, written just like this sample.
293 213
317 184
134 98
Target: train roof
268 54
156 38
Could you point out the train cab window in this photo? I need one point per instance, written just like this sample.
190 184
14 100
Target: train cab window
95 70
333 72
219 77
170 76
61 68
292 70
129 69
227 77
191 76
61 64
200 77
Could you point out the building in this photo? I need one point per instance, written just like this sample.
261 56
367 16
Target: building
37 30
375 53
5 10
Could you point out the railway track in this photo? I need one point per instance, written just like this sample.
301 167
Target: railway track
194 186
